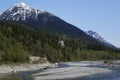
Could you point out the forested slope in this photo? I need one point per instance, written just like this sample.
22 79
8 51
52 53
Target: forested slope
18 41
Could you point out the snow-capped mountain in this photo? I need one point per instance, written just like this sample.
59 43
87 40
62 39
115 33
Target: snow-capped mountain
41 19
99 38
22 12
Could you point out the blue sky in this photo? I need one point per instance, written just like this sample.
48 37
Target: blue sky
102 16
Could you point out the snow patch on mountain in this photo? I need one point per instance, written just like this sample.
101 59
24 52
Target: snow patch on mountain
99 38
22 5
96 36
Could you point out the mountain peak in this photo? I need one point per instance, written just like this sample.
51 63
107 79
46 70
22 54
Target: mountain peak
22 12
96 36
20 5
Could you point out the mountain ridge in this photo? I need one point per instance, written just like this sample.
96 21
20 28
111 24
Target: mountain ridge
36 18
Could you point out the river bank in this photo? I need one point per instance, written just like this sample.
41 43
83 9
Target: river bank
82 70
